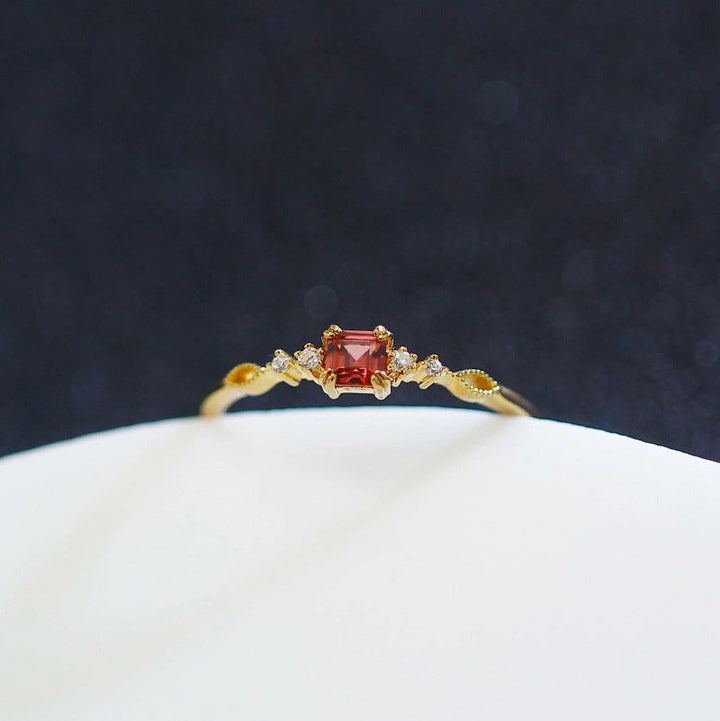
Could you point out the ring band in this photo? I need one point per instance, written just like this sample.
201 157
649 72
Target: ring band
362 361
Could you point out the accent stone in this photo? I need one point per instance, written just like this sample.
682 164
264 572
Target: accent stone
355 355
401 361
434 366
309 358
280 363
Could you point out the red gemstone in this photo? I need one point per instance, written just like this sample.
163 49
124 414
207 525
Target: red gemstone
355 355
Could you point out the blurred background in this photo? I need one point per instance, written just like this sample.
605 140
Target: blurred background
529 188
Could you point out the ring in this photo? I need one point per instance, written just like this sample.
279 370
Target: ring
362 361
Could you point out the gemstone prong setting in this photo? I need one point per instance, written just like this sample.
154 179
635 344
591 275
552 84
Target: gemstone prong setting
382 385
332 332
329 380
286 367
402 365
383 334
362 361
431 370
354 355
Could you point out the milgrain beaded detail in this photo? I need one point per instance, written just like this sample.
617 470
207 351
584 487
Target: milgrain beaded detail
477 381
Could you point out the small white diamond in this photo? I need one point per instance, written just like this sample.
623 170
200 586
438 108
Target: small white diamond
309 358
434 366
280 363
401 360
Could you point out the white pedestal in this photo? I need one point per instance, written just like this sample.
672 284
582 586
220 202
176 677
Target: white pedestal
374 564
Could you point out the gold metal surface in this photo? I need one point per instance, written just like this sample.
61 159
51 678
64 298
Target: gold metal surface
471 385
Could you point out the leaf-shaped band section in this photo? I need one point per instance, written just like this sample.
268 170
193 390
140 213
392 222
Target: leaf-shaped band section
475 381
476 386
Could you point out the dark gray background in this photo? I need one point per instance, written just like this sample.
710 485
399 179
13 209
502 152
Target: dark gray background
531 188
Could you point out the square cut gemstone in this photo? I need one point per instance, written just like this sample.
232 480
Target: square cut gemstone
355 355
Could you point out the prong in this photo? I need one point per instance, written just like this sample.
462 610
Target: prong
328 384
382 333
381 385
332 332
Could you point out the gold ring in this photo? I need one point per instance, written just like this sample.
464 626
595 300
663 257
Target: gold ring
362 361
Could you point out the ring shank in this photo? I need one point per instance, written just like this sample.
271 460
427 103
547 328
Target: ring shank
221 399
251 380
509 402
246 379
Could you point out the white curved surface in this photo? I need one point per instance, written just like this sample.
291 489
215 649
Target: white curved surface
364 563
